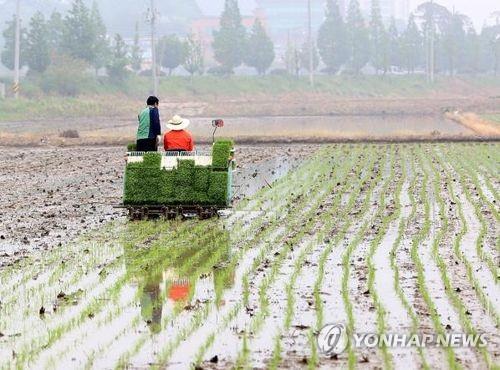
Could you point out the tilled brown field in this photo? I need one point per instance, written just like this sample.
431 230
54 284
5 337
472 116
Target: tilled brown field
399 238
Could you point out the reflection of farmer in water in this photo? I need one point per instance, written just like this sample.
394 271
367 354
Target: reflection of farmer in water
172 274
151 306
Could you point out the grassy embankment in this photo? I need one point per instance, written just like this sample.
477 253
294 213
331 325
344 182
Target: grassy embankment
492 117
99 99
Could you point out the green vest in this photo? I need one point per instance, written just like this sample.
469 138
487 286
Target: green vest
144 124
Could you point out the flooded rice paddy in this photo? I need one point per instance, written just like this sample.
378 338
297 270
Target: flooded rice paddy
381 238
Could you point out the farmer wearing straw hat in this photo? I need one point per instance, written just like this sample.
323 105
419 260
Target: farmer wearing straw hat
178 139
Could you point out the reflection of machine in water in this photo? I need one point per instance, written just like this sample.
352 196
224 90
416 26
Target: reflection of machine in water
180 275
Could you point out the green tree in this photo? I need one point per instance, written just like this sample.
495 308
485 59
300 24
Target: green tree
194 62
66 76
100 43
378 51
292 59
394 44
412 42
136 52
171 52
9 35
305 57
55 29
38 44
332 40
229 41
435 20
79 33
472 55
357 37
117 71
490 49
260 49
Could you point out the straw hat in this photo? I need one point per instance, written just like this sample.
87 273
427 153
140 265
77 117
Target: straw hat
178 123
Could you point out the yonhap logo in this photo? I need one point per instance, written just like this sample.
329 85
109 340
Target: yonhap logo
333 339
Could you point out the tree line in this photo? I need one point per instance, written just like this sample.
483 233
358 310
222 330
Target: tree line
434 36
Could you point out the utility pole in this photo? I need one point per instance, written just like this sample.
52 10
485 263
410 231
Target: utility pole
431 51
152 15
310 42
17 52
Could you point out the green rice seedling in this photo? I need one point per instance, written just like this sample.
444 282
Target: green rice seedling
482 296
484 162
258 320
386 220
415 255
492 265
147 184
313 361
346 264
276 358
394 264
221 153
443 268
343 216
109 292
471 171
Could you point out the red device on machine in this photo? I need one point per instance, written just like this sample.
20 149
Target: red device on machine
216 123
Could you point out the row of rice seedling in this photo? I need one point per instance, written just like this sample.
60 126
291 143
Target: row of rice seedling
472 267
291 232
342 203
467 177
357 238
170 348
201 252
261 289
321 227
359 199
404 232
423 237
451 292
336 234
486 165
96 264
62 323
387 218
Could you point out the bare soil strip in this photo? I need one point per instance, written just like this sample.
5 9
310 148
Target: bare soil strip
475 123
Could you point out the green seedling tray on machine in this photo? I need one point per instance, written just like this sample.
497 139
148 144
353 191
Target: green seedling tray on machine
146 183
